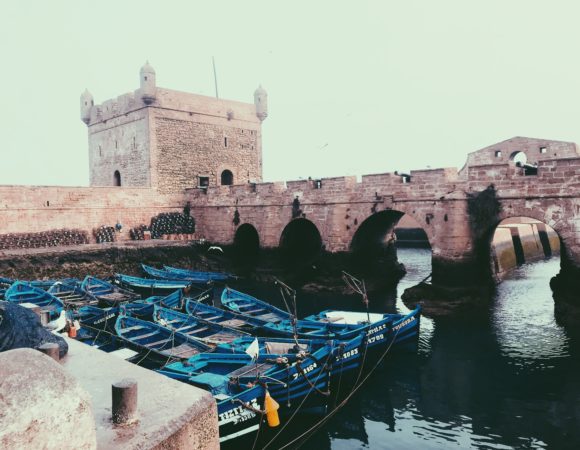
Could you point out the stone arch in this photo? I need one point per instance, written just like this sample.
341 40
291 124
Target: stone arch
226 178
373 231
539 213
521 240
247 240
395 215
300 240
117 178
373 244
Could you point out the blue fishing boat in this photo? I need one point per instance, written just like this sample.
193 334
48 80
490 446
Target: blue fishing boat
222 317
277 322
47 284
294 374
5 283
199 275
96 319
107 293
21 292
162 274
245 304
152 284
176 300
209 333
402 328
72 295
170 344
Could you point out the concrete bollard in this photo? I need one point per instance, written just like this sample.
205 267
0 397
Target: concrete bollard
124 401
51 349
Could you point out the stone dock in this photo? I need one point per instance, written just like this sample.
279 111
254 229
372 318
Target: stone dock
67 404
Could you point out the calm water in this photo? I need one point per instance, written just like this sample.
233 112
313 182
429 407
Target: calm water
507 377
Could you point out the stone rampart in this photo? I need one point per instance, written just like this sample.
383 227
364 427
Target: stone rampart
32 209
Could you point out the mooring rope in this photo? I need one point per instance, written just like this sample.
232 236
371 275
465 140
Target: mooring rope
330 354
342 403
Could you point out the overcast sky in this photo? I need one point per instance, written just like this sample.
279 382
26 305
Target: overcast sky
354 87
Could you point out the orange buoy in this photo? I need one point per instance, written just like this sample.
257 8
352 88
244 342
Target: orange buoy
72 331
271 407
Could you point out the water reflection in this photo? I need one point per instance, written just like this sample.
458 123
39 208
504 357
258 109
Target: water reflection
523 318
506 379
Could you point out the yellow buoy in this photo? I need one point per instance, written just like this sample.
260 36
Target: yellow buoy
271 407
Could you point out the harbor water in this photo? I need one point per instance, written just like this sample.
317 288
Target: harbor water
503 376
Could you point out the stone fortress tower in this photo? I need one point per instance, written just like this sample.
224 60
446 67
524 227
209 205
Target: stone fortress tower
170 140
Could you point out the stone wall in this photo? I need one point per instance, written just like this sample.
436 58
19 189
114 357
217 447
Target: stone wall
536 150
173 141
33 209
188 150
120 144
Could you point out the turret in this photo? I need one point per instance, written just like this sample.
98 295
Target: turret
87 103
148 89
261 102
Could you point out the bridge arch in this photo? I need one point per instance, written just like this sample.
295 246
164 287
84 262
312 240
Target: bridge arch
518 240
300 240
247 240
374 241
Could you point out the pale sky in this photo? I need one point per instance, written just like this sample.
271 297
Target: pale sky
354 87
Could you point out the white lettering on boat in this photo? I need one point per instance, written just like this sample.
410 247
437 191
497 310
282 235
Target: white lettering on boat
378 337
404 323
348 354
310 368
107 317
377 328
238 414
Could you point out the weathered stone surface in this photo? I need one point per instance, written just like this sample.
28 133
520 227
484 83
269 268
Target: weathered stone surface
170 414
42 406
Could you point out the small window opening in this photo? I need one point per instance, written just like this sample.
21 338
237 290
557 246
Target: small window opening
317 184
225 141
116 144
47 203
100 151
203 182
227 178
498 153
145 78
543 150
117 177
134 142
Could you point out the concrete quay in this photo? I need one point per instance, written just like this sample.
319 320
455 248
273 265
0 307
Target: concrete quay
170 414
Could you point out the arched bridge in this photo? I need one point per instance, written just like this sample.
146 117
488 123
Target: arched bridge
344 213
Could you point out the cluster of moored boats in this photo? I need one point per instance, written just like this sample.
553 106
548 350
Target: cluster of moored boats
252 356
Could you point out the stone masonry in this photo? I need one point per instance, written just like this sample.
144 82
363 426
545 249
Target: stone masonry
170 140
164 143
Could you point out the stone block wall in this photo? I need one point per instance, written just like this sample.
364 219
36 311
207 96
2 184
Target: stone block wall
33 209
120 143
171 142
536 150
188 149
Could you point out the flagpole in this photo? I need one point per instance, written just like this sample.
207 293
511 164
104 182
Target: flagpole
215 77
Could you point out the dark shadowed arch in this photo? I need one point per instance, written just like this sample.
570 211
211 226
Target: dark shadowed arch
247 241
300 240
375 233
117 178
227 178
